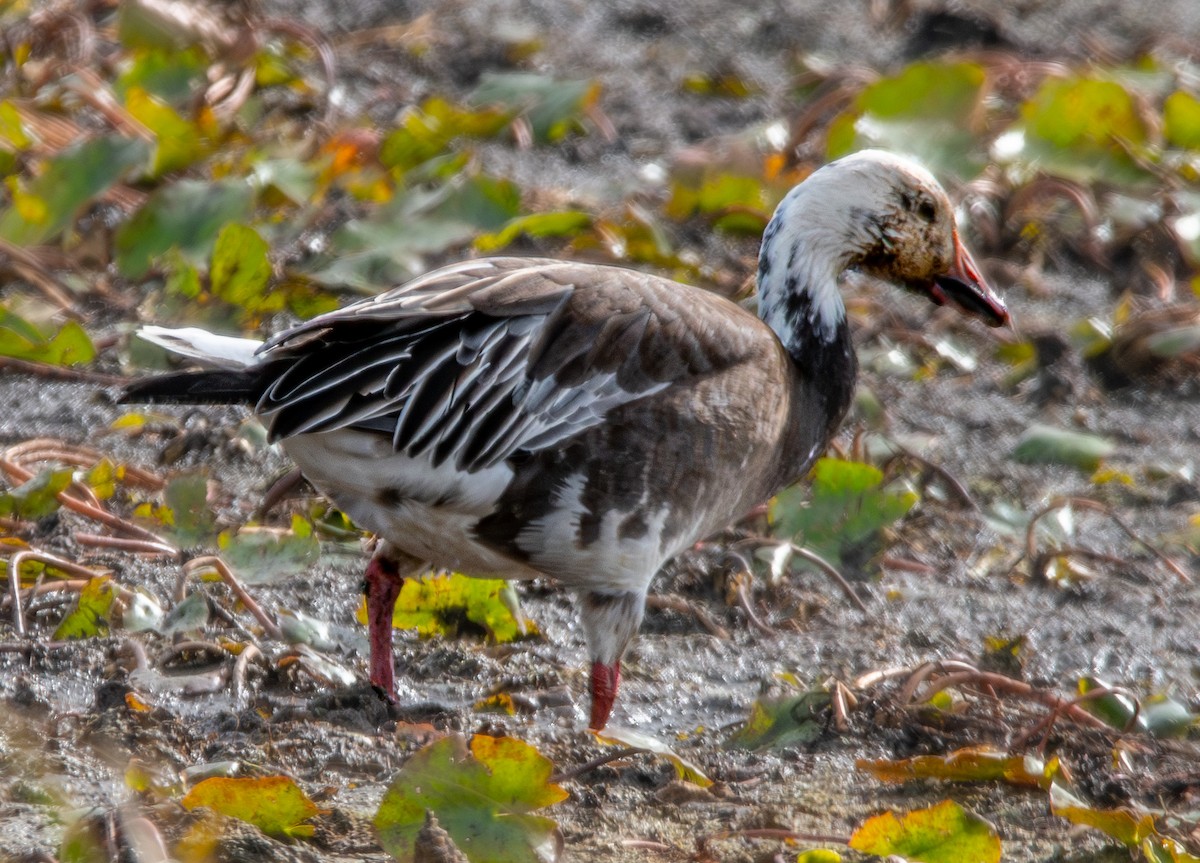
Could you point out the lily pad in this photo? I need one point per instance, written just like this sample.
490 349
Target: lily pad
441 604
262 555
22 340
552 107
41 210
483 791
944 833
846 507
186 215
930 110
37 497
1079 128
777 723
89 618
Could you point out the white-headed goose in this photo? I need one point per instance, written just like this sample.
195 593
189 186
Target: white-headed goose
516 416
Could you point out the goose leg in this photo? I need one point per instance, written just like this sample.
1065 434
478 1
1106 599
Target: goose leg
610 620
382 582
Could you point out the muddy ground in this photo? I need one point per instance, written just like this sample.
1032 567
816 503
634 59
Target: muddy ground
69 736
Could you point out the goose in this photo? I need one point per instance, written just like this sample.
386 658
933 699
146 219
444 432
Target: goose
519 417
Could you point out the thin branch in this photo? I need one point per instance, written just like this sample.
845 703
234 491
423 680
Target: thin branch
776 833
957 488
99 514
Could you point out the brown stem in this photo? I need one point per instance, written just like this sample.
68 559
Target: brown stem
589 766
60 373
135 545
84 508
1097 507
672 602
1001 683
222 568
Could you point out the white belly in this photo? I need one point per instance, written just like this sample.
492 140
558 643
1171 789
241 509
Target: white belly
425 511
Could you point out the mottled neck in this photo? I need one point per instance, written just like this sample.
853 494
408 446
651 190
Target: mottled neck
808 244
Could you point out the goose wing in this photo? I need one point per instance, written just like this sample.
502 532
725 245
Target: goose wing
480 360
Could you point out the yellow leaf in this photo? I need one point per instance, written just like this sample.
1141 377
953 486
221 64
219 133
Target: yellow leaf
274 804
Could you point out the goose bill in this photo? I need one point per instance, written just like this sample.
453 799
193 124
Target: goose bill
963 286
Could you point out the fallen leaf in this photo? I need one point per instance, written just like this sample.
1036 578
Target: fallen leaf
482 791
685 769
943 833
273 804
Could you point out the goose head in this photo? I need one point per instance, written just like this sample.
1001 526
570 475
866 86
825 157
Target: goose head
872 211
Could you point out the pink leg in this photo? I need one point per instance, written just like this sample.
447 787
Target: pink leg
605 679
383 582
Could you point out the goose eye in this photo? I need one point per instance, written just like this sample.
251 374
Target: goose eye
926 210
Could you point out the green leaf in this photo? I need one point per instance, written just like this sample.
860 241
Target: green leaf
847 507
819 855
71 179
564 224
1072 127
376 253
441 604
89 618
739 203
241 270
294 180
186 215
190 615
482 792
70 346
1181 120
184 514
1114 709
684 769
178 141
553 108
428 132
102 478
1162 849
273 804
172 76
263 555
1127 826
1175 342
12 127
943 833
1165 717
778 723
1042 444
931 110
37 497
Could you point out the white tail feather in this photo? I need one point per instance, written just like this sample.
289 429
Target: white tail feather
226 352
